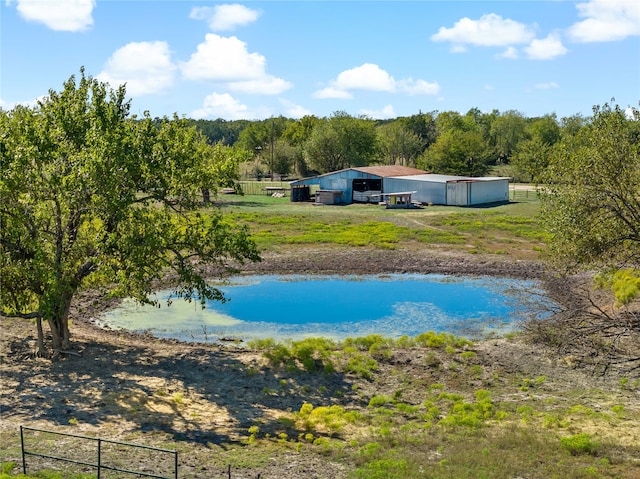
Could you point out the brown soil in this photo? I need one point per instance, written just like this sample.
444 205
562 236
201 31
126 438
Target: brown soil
141 389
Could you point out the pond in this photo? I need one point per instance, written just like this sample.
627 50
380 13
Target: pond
337 307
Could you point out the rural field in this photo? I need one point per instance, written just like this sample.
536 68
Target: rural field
430 406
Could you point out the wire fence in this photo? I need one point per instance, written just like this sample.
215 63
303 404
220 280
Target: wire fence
74 454
522 194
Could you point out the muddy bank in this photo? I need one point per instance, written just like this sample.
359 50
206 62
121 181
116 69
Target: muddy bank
365 261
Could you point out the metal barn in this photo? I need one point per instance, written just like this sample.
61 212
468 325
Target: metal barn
352 185
451 190
369 183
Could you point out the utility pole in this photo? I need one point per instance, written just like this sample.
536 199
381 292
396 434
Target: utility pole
271 166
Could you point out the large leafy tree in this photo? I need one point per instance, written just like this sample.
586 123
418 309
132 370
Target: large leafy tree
457 152
531 155
88 194
591 193
223 164
590 197
398 145
424 126
507 131
341 141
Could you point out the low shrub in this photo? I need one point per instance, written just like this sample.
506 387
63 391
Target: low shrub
579 444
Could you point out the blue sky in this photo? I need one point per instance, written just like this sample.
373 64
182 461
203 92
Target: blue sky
383 59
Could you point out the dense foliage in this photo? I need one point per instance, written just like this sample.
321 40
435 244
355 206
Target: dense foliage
88 193
472 144
591 195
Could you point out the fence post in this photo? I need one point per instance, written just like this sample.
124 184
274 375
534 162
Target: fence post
24 461
175 465
99 457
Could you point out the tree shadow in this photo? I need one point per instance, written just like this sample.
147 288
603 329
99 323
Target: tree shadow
190 392
240 203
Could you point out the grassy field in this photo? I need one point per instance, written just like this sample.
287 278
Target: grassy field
508 229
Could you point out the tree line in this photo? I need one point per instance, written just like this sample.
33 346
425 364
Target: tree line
470 144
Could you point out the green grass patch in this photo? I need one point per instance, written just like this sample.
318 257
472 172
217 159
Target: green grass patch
506 229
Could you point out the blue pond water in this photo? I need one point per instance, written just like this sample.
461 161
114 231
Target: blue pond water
294 307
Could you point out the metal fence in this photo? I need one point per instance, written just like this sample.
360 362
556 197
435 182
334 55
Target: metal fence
522 194
93 454
264 187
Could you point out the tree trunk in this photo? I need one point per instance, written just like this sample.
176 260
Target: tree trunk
59 324
40 351
206 196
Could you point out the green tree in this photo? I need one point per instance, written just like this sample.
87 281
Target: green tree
323 149
424 126
457 152
342 141
261 138
287 158
220 131
507 130
571 125
91 195
299 131
591 194
530 159
545 128
223 165
398 145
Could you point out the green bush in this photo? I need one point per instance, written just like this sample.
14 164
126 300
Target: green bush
579 444
382 469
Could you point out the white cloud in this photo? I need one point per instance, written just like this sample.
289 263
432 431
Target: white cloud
384 113
365 77
632 113
371 77
490 31
225 17
268 85
61 15
223 105
546 49
293 110
551 85
418 87
224 59
606 20
331 92
511 53
458 49
10 105
145 67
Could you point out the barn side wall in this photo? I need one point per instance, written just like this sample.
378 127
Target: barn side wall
343 181
426 191
488 191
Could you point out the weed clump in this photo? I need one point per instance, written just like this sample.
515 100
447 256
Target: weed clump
579 444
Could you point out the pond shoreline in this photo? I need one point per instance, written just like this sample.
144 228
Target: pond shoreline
318 260
90 304
297 306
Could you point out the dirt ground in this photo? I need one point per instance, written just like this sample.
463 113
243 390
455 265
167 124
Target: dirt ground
130 387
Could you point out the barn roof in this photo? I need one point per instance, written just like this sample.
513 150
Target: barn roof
433 178
383 171
389 170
